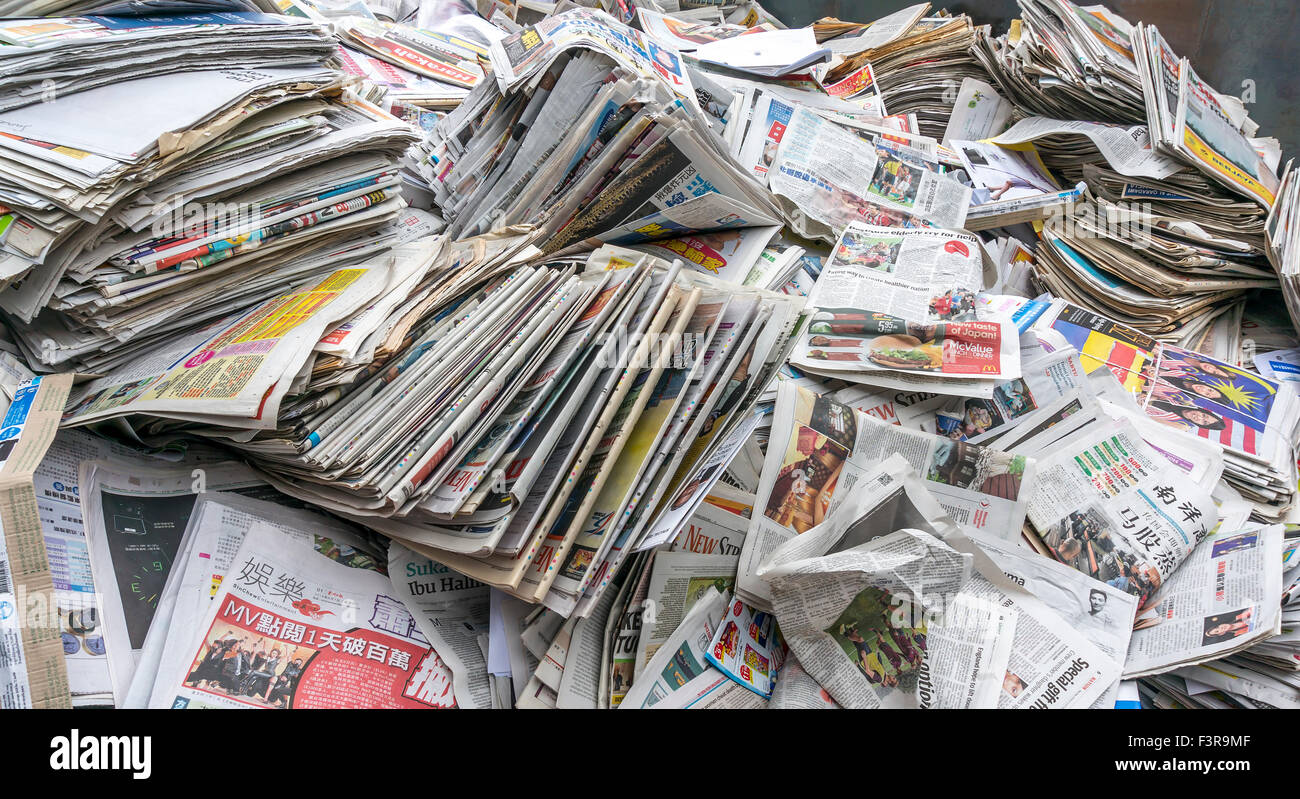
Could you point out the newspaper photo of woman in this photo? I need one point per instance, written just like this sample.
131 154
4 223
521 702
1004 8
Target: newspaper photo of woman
1190 416
1243 396
1197 387
1226 626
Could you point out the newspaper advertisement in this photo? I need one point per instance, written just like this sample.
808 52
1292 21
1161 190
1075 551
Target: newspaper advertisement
1107 504
1100 341
1199 460
859 87
1280 365
135 520
836 177
339 638
747 648
1001 174
1222 599
727 253
59 500
236 367
891 300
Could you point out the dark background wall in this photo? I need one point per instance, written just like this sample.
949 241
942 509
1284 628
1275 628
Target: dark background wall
1227 41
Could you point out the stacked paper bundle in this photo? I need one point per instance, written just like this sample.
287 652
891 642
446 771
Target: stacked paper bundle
1283 248
43 60
1170 235
588 136
678 351
227 186
919 70
1065 61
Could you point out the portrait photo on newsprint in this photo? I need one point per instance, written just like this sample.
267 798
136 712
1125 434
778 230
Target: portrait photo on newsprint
381 355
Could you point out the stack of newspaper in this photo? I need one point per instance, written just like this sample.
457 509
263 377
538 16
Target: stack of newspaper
129 8
592 133
1065 61
1283 247
416 60
227 187
1225 648
686 361
47 60
500 476
917 67
1171 232
1189 120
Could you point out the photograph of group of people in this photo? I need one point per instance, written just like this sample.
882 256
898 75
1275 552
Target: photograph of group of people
256 670
888 655
1199 394
973 417
876 252
842 207
954 305
895 180
1083 540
